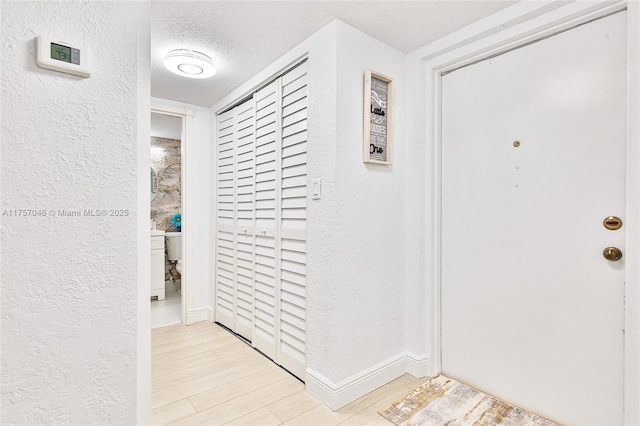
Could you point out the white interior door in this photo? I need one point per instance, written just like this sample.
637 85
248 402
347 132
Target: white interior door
235 219
531 310
225 306
261 209
293 222
281 221
267 276
245 208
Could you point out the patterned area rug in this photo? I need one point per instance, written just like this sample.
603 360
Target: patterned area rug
444 401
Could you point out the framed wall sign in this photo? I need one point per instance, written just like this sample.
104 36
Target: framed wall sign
378 118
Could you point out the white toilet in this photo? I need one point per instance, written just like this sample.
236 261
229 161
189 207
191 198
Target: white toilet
174 248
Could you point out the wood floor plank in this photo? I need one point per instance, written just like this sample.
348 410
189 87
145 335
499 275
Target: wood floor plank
186 337
293 406
179 329
171 365
373 399
261 417
370 416
176 329
239 387
238 407
203 383
186 372
232 350
172 412
202 374
194 340
319 415
415 383
160 358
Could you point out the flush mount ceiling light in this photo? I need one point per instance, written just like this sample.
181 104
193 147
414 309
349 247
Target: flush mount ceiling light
189 63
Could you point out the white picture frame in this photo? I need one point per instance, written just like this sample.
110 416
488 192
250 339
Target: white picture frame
378 118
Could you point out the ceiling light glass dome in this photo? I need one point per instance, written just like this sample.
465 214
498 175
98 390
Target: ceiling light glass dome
189 63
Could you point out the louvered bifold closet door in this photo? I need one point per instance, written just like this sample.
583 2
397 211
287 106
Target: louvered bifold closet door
262 220
266 220
293 222
245 205
225 306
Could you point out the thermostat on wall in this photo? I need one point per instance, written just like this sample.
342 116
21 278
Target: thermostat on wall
61 56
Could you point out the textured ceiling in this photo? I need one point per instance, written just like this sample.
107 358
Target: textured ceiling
243 37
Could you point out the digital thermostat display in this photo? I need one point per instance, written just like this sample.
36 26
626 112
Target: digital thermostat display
68 56
65 53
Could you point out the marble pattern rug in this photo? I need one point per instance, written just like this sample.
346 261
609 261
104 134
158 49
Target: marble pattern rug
444 401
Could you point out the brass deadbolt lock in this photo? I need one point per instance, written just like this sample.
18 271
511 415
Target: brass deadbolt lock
612 253
612 223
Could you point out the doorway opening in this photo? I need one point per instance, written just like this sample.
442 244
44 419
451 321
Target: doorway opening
168 260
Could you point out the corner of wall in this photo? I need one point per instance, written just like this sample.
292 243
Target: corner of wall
200 314
337 395
356 252
417 219
418 365
143 404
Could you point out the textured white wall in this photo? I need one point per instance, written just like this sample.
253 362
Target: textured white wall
356 294
166 126
69 324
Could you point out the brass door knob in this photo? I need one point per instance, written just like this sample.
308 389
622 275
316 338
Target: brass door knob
612 223
612 253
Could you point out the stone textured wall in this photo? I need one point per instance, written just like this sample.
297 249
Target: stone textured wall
68 145
167 162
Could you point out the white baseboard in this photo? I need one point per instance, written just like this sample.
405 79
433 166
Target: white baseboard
418 365
197 315
337 395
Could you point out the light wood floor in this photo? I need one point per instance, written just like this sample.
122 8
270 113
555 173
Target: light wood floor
204 375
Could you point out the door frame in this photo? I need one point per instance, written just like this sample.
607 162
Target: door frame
186 114
514 27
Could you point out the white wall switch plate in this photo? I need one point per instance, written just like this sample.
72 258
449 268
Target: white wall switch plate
316 189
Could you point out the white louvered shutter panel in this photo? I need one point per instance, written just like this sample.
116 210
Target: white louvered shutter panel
245 204
225 305
262 220
293 222
266 278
